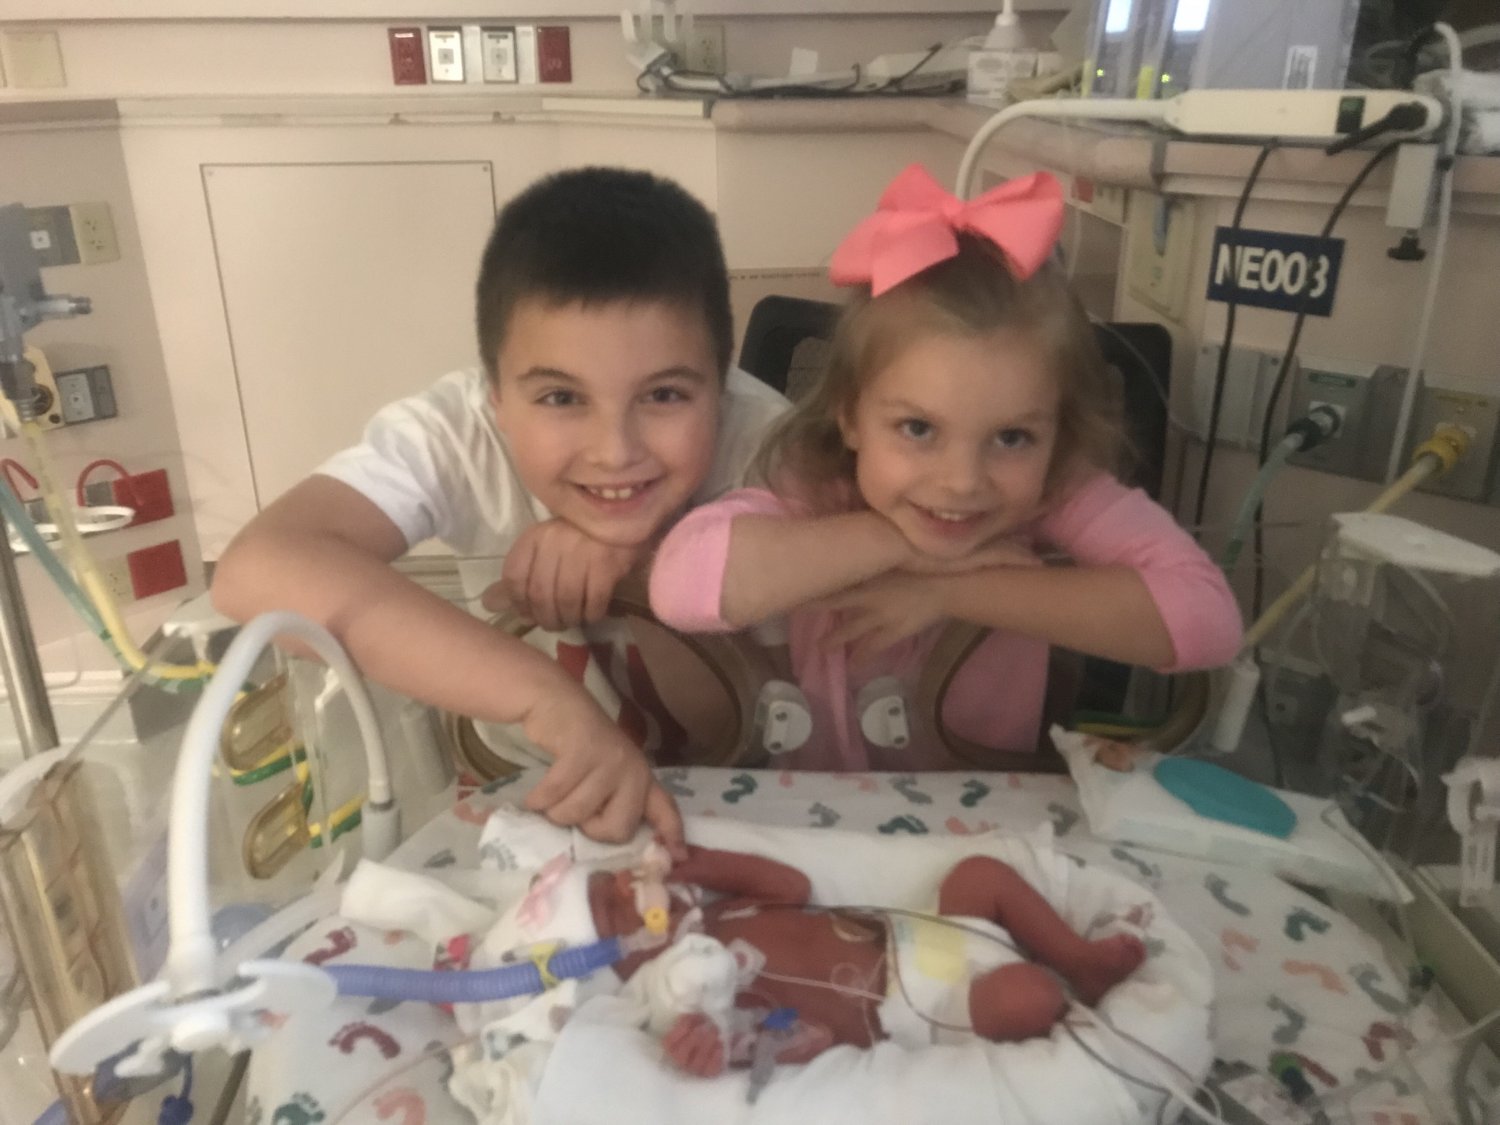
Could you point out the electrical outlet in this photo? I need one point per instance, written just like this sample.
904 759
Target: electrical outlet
1247 385
408 59
1367 397
150 494
445 53
116 575
85 395
554 54
1477 416
94 228
703 49
498 54
155 570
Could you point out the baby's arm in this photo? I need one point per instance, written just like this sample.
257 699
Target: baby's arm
746 558
740 875
324 550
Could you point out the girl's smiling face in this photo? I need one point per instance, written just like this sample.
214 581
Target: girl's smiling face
953 438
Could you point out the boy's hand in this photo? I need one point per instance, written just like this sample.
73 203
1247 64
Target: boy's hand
884 611
599 780
558 577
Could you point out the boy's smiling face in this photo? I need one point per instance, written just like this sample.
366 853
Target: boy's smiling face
611 411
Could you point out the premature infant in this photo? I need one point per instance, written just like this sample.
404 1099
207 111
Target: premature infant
856 977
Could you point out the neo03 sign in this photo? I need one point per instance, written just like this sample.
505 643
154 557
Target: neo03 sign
1275 270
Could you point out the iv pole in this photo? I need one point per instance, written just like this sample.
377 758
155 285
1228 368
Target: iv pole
24 303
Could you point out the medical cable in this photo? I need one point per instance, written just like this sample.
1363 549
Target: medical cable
1004 942
1304 434
1221 370
1289 356
1187 1099
1368 1081
1447 155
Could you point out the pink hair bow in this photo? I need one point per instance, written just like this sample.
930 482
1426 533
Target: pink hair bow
916 225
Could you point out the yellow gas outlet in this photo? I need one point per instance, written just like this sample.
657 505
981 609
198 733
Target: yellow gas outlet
49 414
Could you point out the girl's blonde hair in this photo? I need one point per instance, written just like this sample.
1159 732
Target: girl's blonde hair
974 294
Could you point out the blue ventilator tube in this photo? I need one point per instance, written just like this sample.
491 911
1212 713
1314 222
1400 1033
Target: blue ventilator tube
476 986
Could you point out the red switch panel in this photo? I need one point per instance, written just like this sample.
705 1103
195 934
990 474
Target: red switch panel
148 493
155 570
554 55
408 63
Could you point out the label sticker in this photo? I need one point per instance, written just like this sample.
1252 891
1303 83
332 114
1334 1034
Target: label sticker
1275 270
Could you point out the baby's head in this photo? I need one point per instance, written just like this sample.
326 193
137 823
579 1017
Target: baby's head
603 319
959 403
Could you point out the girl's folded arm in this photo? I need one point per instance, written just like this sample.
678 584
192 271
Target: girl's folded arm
749 557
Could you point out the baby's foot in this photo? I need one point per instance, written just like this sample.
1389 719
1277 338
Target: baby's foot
695 1045
1104 964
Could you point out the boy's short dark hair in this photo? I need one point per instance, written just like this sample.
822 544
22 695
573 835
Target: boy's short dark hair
597 235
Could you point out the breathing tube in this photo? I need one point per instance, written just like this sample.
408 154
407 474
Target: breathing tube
546 969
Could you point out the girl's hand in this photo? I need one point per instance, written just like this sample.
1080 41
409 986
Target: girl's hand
558 577
885 611
599 780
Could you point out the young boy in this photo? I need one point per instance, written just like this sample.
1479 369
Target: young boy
602 412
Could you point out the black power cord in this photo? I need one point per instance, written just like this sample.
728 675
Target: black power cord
1381 155
1211 439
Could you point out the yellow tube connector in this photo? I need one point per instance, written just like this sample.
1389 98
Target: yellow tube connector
1448 443
1435 457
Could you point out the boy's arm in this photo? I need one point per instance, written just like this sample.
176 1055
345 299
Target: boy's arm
324 550
743 559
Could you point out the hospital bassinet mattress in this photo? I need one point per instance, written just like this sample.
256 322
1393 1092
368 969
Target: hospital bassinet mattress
1293 978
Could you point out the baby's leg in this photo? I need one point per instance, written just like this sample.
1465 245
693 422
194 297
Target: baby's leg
980 887
1014 1002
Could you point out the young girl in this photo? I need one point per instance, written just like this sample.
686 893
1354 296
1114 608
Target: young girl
965 422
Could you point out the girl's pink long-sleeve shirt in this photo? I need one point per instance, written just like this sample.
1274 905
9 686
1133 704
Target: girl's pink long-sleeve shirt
996 698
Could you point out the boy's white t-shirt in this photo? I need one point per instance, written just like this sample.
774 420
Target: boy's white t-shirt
437 465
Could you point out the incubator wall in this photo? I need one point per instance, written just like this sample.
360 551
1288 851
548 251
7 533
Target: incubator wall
83 857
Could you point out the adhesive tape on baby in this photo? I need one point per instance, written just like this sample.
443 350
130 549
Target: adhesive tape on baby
1218 794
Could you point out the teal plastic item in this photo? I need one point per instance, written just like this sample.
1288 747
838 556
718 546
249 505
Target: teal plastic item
1218 794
